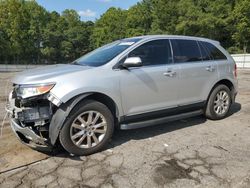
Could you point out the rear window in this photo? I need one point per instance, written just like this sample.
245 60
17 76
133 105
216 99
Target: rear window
204 53
213 51
185 51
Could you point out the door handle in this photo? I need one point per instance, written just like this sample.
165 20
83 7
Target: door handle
169 73
210 68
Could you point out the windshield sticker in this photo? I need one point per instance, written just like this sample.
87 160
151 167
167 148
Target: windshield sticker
126 43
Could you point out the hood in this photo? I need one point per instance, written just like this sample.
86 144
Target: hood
38 75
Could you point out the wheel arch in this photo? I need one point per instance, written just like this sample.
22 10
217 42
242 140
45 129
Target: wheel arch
225 82
106 100
64 110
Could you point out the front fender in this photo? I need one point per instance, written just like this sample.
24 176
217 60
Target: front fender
61 115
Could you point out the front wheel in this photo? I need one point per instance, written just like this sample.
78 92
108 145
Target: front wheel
88 129
219 103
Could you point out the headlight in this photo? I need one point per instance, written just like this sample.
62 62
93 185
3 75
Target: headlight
26 91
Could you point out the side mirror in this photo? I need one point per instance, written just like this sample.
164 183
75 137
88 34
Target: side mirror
132 62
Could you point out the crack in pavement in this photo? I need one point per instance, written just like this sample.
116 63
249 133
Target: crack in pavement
193 168
86 172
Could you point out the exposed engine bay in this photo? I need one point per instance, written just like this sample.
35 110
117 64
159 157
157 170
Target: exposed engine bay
32 117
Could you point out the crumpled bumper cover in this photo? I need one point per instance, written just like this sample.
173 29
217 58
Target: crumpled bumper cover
28 137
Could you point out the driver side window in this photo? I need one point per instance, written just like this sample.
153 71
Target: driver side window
155 52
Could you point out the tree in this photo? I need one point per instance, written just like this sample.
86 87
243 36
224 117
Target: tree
13 22
241 16
37 17
52 36
66 37
139 19
165 16
189 18
4 47
76 35
29 33
216 20
109 27
21 23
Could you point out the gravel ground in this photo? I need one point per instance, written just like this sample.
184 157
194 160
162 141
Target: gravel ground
12 153
189 153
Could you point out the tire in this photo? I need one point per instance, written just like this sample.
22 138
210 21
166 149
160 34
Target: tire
80 129
217 108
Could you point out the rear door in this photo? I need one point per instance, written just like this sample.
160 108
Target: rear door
197 73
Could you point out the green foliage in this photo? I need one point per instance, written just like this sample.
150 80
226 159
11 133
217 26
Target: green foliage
242 24
139 19
65 37
165 16
31 34
109 27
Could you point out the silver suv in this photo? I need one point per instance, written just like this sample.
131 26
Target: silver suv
130 83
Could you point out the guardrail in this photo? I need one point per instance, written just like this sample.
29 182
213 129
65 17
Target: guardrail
16 68
242 61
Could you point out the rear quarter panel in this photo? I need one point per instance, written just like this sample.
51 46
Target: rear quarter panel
225 70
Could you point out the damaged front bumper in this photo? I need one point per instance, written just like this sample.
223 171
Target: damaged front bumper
30 120
28 137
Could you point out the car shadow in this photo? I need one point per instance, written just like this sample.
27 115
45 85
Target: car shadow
236 107
122 136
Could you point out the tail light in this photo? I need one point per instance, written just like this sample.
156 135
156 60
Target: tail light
235 70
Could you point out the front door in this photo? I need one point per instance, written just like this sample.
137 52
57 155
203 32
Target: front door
154 86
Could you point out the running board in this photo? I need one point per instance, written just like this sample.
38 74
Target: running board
161 120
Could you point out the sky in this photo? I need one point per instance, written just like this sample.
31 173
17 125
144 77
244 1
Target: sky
87 9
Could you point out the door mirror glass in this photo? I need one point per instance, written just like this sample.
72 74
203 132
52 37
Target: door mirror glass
132 62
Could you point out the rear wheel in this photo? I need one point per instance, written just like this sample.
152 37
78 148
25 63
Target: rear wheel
219 103
88 129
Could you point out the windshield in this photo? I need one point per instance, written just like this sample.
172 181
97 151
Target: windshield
106 53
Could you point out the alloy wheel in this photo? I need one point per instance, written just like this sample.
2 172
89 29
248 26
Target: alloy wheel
88 129
221 102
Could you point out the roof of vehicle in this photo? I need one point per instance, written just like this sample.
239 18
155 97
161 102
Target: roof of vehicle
177 37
